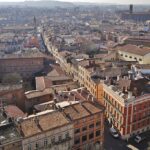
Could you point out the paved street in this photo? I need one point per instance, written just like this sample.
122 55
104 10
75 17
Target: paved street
112 143
118 144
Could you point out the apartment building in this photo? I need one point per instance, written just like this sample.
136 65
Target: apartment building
87 117
127 104
46 130
120 105
62 59
81 72
88 121
91 74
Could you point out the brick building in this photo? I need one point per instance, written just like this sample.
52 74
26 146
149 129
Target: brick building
36 97
88 122
26 64
12 95
87 117
127 106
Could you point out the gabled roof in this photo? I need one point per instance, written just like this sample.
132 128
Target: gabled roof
134 49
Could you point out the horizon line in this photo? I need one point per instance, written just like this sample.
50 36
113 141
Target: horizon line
14 1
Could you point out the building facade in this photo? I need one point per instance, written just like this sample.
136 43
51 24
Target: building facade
129 115
131 52
25 66
88 123
50 130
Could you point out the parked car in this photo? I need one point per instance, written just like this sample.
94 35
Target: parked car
131 147
114 132
139 138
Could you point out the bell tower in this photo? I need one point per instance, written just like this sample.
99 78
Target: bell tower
35 24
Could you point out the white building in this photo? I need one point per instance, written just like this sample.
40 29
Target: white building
46 130
134 53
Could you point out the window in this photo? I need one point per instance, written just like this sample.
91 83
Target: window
140 59
53 140
135 108
98 123
92 117
36 145
84 120
77 122
77 131
91 125
67 135
60 138
98 133
126 56
29 147
84 128
45 142
77 140
84 138
130 56
91 135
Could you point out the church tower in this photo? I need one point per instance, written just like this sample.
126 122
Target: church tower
35 25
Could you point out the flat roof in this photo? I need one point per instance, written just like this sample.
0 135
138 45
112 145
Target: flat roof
38 93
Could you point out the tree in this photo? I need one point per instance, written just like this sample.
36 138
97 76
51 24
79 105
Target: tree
11 78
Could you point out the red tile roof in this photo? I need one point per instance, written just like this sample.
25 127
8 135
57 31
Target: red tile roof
14 111
134 49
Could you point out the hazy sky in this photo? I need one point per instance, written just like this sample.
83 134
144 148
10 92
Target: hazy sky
100 1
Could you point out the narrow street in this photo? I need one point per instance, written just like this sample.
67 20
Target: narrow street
118 144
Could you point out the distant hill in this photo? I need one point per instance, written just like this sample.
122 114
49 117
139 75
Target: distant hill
40 4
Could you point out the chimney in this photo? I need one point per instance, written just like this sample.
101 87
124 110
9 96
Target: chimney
94 69
118 77
54 106
88 96
68 88
59 108
55 100
131 9
129 94
36 120
107 78
92 99
80 103
135 92
34 112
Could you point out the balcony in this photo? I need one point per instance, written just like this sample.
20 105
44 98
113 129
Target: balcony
113 106
61 141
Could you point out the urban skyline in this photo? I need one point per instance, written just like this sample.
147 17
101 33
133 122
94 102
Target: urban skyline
74 76
94 1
